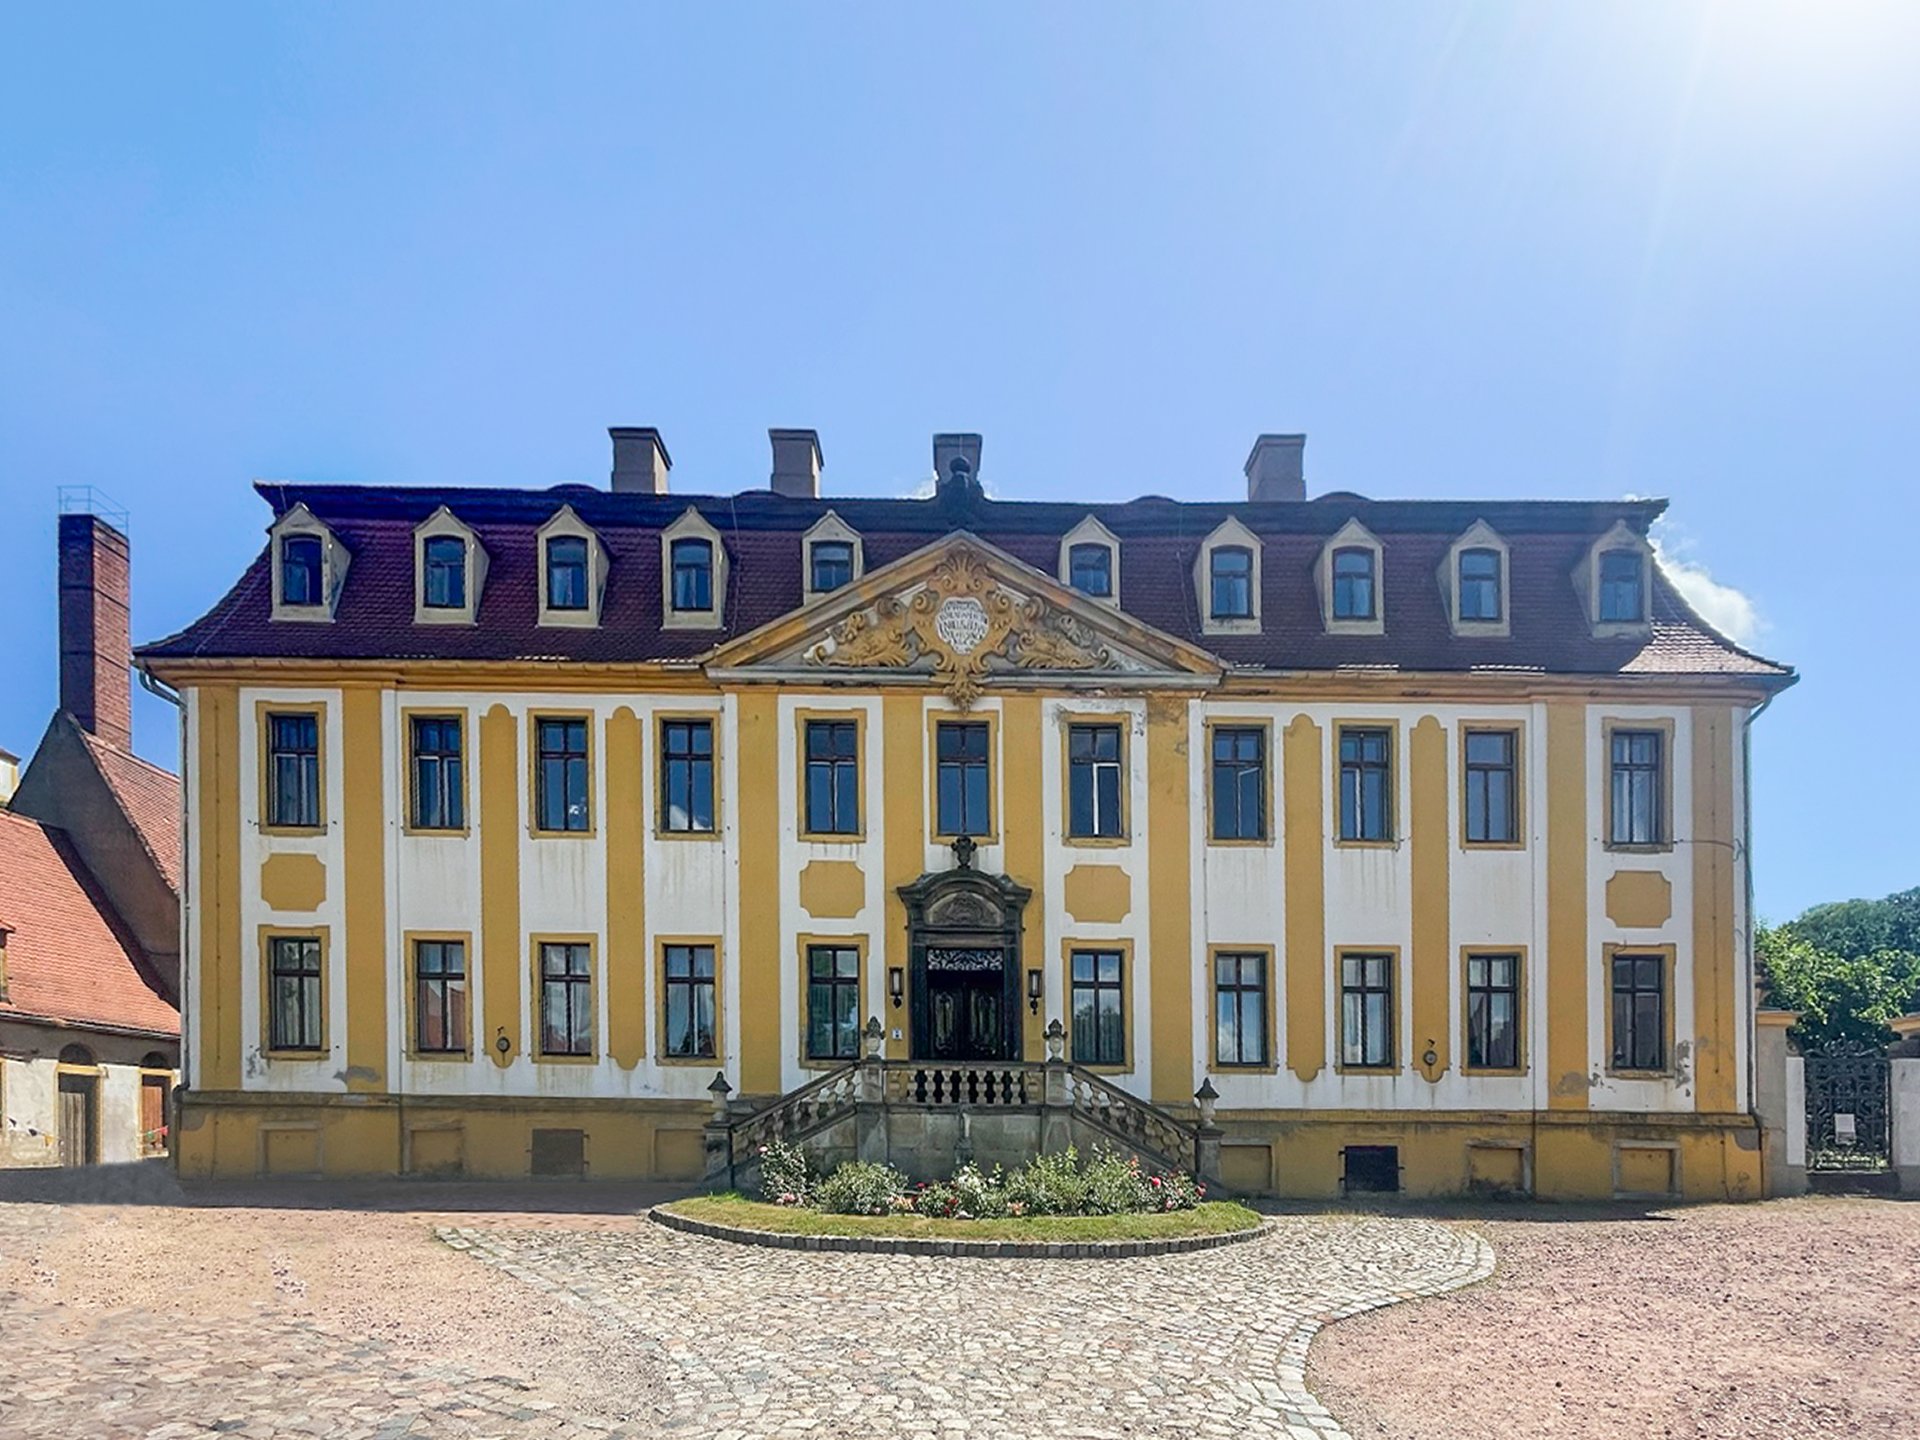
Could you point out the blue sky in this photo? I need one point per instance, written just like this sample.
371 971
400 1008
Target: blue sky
1486 250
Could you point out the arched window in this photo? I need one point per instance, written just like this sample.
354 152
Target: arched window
1231 583
1353 583
693 575
77 1055
300 570
1480 585
446 577
154 1060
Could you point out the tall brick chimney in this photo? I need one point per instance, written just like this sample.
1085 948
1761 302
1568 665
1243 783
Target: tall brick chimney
96 635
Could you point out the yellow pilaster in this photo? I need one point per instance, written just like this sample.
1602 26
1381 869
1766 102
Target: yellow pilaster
1170 886
363 840
500 881
1714 1005
1306 899
1567 961
1431 846
757 774
626 958
217 785
1026 850
903 738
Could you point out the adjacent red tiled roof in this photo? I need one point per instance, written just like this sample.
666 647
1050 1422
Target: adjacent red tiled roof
67 958
1160 543
150 799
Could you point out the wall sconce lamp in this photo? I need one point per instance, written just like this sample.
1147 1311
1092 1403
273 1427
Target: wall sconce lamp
1036 988
896 985
502 1043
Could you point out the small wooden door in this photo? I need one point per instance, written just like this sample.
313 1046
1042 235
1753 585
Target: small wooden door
79 1128
153 1114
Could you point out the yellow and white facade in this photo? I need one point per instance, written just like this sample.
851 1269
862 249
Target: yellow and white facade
1564 1111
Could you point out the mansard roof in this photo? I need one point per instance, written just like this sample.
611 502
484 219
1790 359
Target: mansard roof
1161 539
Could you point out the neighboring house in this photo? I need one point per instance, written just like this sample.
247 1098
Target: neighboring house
89 899
1405 838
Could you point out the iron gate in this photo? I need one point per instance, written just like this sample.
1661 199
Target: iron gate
1847 1107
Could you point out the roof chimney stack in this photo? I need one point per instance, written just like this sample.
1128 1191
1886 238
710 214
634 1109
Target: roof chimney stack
796 463
96 637
1275 469
640 460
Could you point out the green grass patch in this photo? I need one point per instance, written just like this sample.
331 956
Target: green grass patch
1212 1217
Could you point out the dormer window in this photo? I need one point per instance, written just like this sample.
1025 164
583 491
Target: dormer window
567 572
1230 584
1480 585
1090 562
450 570
1226 578
692 575
1353 584
300 570
1090 570
573 571
1348 577
309 565
446 578
1622 587
831 563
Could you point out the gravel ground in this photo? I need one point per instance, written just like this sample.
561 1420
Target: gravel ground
1792 1318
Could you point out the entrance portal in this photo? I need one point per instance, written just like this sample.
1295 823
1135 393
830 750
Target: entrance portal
963 945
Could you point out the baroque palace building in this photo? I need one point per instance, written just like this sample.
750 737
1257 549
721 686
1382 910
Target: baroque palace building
1388 843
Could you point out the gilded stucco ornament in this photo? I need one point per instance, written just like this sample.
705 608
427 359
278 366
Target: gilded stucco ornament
961 621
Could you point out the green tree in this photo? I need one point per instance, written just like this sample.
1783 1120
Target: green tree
1839 996
1860 927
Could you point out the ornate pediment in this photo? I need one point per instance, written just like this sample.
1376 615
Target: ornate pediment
963 614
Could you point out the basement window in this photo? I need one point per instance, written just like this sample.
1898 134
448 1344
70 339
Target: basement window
1371 1168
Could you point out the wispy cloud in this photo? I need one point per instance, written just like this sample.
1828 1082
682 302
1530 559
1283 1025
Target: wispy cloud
1729 610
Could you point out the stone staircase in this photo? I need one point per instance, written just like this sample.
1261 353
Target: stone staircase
926 1118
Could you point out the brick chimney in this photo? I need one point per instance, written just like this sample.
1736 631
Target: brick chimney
796 463
96 637
1275 469
640 460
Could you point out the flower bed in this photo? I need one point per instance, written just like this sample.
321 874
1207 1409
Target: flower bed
734 1217
1049 1185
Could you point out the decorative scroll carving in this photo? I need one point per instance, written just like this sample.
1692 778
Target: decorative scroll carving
964 910
961 620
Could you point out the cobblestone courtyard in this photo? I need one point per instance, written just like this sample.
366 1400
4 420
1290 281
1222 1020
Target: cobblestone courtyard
164 1322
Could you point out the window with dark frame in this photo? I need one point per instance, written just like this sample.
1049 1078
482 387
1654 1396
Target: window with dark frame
1480 584
1491 801
1099 1015
294 1015
440 997
445 584
964 802
301 570
1637 788
1353 583
832 564
567 573
1093 782
1240 1008
1366 784
1622 587
1493 1012
439 800
1230 583
692 575
833 777
833 1002
566 998
293 771
1239 783
686 776
1366 1011
690 1002
560 775
1639 1012
1090 570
